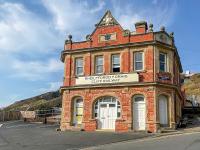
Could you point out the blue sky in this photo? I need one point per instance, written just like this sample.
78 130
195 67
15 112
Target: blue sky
32 35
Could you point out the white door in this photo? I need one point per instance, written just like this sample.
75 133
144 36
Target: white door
103 116
163 111
112 115
108 116
139 114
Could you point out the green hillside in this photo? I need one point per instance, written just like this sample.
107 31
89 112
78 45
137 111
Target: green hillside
43 101
192 86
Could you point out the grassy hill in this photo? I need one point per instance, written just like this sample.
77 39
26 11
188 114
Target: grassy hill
43 101
192 86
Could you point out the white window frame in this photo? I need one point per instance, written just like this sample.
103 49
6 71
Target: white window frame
100 101
76 106
76 66
97 65
139 61
115 64
165 62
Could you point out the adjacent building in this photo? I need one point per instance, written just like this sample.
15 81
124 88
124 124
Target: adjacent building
121 80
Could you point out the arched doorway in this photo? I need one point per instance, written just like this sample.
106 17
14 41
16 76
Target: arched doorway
106 111
163 110
78 111
139 113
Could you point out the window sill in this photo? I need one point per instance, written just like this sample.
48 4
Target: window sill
98 74
164 72
139 71
112 73
76 76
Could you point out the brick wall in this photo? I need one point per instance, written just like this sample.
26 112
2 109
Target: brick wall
124 95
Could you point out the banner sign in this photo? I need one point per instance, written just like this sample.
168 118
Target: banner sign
104 79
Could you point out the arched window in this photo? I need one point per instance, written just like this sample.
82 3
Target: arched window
107 100
139 98
78 110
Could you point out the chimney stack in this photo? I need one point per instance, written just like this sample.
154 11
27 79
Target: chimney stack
141 27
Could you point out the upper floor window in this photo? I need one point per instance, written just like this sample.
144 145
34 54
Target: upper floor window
138 61
79 66
163 62
116 63
99 64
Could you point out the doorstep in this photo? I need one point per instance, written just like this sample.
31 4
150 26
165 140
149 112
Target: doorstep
105 130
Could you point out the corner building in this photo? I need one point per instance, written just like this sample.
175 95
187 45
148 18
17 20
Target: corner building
121 80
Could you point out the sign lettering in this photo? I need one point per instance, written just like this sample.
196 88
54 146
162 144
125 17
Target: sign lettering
103 79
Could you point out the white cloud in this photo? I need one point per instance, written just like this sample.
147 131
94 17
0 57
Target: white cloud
22 31
35 70
73 16
52 86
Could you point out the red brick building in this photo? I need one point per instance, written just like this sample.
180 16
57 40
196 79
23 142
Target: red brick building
121 80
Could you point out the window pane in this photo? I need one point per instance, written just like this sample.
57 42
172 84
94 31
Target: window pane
95 115
99 60
79 71
118 114
103 105
116 69
116 66
79 62
137 99
118 109
99 64
116 63
162 66
118 103
79 66
99 69
162 57
138 66
138 56
115 59
111 105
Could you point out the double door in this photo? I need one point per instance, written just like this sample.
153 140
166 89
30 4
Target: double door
108 115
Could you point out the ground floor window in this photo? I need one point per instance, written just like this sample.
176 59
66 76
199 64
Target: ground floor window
106 111
78 111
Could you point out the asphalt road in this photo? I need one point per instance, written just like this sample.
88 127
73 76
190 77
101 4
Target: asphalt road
16 135
187 141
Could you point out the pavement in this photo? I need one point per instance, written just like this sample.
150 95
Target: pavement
185 141
36 136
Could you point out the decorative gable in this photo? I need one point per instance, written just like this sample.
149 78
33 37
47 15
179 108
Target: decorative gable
107 20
